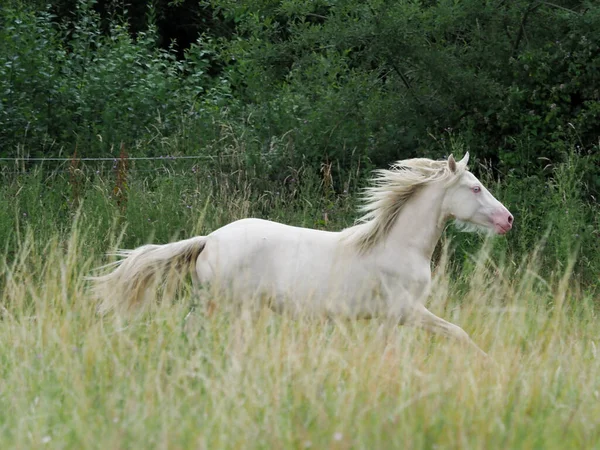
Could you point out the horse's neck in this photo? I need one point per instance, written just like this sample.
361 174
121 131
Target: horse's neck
420 223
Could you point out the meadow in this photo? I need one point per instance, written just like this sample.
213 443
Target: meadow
184 374
283 108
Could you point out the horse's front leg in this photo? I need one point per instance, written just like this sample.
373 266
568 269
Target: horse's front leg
419 316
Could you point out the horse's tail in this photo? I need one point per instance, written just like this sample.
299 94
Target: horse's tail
145 267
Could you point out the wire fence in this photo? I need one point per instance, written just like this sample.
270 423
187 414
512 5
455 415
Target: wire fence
116 158
22 164
78 171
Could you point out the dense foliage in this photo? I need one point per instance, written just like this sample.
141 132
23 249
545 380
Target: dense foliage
516 80
330 88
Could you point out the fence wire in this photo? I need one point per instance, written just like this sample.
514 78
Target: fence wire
69 165
117 158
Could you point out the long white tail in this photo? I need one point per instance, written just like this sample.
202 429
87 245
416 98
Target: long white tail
129 284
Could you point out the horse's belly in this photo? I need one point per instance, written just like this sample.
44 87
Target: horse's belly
305 275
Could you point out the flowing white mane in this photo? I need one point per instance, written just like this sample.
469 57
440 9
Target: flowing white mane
390 191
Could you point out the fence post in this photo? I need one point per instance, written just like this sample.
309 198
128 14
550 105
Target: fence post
75 179
120 189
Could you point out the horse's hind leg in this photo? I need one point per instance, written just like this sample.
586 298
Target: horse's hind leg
203 275
422 317
195 285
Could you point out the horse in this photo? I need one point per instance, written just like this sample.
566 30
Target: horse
379 267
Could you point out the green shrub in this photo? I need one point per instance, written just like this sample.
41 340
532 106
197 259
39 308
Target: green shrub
68 86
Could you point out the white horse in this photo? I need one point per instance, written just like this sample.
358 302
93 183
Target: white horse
379 267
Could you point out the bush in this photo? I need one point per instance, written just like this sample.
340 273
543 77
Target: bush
70 86
387 80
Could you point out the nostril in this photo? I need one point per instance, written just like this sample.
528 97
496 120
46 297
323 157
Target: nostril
510 218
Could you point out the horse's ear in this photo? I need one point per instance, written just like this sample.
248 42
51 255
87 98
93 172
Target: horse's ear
452 164
463 162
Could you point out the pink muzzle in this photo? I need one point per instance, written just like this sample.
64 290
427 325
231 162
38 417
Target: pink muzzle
502 220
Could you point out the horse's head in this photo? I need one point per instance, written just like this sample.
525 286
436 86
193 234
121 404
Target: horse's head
471 204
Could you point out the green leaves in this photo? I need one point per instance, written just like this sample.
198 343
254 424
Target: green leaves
81 87
488 71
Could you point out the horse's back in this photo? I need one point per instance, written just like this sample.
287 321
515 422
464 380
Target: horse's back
262 227
268 236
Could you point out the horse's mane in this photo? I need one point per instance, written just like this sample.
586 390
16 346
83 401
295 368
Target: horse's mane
390 191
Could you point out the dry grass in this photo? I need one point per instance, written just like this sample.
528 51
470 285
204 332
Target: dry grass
178 377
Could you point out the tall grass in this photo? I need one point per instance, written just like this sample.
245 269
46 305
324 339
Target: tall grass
202 373
187 376
179 199
157 204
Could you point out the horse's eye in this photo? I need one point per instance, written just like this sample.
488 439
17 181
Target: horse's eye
476 189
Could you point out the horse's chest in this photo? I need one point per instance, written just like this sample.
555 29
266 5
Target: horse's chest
411 283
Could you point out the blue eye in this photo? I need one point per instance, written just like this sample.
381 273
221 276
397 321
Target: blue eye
476 189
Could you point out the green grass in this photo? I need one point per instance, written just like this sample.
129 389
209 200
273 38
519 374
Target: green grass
184 376
180 376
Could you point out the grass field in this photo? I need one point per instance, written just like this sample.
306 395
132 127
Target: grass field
183 377
129 122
